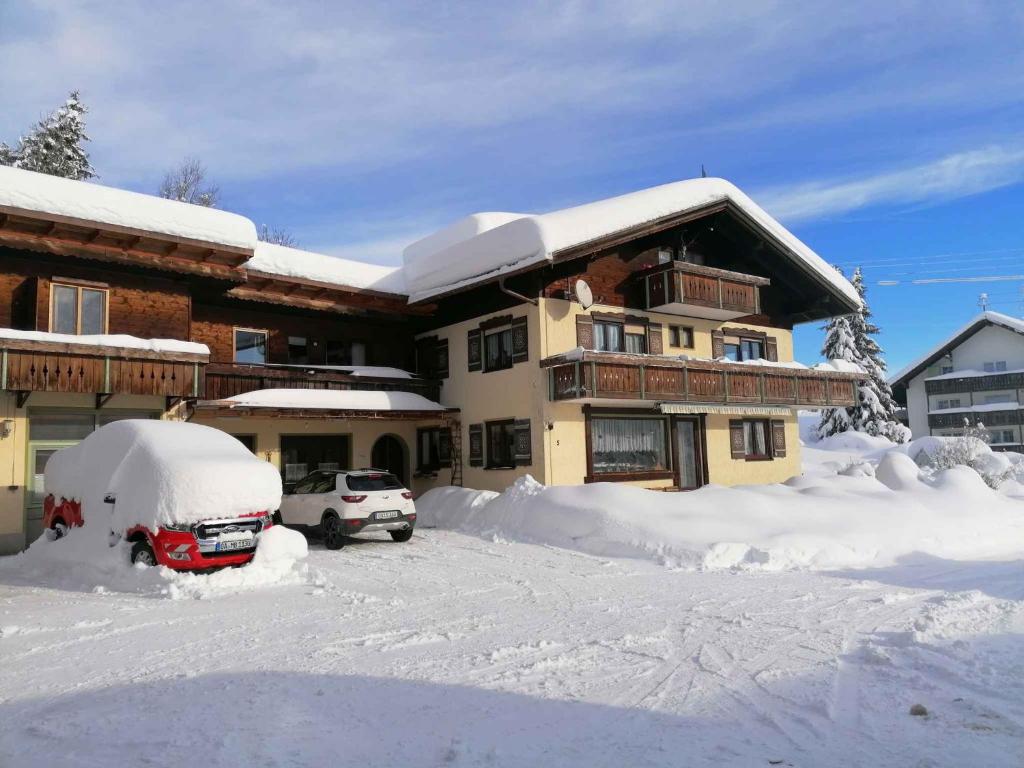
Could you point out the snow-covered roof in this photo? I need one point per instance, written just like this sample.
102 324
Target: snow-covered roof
977 323
119 341
487 245
308 265
334 400
41 193
375 371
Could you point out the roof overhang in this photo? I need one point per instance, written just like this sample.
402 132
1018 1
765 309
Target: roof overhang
67 236
230 409
313 294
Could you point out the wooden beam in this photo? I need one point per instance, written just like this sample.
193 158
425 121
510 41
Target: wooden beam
102 399
21 397
171 401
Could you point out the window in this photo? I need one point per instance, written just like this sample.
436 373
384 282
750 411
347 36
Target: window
608 337
953 402
947 369
624 445
298 350
680 336
345 353
427 453
250 346
498 350
738 349
1001 398
1004 436
755 439
995 367
316 482
636 343
501 444
375 482
77 310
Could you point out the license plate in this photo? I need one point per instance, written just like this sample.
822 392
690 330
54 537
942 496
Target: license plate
225 546
387 515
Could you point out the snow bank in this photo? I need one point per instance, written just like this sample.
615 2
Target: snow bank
108 340
334 399
488 245
846 517
85 201
307 265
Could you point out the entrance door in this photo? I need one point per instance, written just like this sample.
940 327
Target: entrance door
689 453
302 454
38 455
389 453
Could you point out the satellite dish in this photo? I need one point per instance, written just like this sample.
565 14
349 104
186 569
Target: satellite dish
584 295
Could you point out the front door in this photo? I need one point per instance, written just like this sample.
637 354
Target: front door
38 455
388 453
689 453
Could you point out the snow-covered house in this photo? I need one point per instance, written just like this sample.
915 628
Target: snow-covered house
645 339
976 374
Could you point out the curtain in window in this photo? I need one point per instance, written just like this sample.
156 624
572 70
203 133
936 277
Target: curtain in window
636 343
628 445
608 337
755 438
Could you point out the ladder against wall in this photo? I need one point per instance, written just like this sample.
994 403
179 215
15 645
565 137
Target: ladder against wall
455 430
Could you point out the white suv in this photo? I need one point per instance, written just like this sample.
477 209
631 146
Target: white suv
336 504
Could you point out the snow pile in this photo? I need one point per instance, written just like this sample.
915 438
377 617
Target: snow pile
490 244
307 265
120 341
42 193
848 515
275 563
334 399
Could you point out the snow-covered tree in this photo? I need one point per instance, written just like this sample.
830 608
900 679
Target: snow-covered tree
851 338
55 144
276 236
187 184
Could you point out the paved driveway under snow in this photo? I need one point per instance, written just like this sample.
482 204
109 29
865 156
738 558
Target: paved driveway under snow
457 651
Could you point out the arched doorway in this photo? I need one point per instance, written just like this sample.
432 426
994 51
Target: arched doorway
389 453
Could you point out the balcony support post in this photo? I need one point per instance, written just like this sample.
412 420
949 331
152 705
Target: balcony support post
643 387
593 377
106 375
3 369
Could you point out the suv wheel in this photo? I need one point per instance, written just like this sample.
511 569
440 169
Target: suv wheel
334 535
401 536
143 553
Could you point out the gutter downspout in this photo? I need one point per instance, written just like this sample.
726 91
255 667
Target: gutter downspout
513 294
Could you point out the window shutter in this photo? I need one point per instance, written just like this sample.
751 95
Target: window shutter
476 445
779 439
444 447
717 344
771 349
474 347
520 340
654 339
426 357
441 353
584 331
524 451
736 443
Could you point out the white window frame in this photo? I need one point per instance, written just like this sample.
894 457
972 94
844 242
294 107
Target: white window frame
234 343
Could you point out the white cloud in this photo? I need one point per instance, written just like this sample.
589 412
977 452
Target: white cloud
954 176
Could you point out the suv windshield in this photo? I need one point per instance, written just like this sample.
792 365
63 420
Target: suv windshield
381 482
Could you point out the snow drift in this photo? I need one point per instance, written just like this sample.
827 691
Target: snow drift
852 514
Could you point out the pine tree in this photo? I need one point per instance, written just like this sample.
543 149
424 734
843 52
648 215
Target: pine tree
54 146
850 338
187 184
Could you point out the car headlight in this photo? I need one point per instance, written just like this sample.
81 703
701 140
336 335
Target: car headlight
180 527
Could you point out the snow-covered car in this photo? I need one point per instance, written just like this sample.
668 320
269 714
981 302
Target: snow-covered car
182 495
337 503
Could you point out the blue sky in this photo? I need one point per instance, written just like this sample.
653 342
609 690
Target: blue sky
883 134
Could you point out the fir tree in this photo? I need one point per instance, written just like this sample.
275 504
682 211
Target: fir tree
850 338
55 145
187 184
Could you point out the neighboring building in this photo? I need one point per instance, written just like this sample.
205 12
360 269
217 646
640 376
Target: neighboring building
118 305
976 374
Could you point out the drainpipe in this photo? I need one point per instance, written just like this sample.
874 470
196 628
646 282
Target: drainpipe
513 294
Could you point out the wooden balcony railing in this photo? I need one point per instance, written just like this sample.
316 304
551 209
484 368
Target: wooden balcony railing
28 366
988 382
607 375
692 289
224 380
990 419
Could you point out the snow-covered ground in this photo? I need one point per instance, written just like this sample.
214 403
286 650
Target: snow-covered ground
462 650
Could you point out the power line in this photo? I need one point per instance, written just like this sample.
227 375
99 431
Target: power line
940 280
961 254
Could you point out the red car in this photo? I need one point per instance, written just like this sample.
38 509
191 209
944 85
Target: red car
199 546
183 495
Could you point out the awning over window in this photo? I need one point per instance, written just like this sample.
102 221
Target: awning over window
727 410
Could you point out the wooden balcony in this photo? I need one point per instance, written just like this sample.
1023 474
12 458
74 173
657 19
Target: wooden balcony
28 366
962 384
693 290
613 376
224 380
